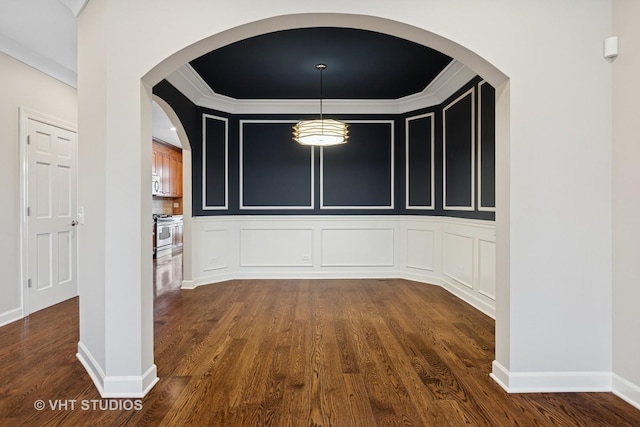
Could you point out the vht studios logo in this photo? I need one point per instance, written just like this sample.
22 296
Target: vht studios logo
88 405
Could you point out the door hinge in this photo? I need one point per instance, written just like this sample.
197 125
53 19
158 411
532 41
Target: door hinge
28 283
28 211
28 139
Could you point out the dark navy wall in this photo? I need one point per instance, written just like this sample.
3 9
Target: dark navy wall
275 173
456 164
250 165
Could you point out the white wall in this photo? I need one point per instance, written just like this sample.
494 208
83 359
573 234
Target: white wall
557 195
626 202
21 86
458 254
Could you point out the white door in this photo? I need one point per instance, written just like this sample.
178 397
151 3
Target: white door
51 214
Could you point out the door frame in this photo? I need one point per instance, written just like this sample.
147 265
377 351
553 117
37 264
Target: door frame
24 115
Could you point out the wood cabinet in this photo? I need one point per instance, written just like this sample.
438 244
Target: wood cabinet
176 233
166 163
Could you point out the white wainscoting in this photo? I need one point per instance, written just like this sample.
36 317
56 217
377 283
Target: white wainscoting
276 247
469 262
457 254
357 247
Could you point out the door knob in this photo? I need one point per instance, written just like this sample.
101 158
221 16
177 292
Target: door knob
74 223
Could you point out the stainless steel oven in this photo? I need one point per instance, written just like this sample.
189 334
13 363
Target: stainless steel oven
164 236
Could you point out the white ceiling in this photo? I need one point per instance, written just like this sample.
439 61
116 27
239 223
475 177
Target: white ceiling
42 34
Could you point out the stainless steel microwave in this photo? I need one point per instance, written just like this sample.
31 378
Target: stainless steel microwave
155 184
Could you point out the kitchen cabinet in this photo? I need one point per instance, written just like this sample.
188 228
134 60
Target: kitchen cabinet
177 235
166 163
154 162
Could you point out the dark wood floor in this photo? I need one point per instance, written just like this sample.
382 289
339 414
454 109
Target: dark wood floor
293 353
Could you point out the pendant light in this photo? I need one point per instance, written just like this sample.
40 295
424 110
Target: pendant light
320 131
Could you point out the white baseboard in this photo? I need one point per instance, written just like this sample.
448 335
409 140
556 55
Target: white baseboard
131 386
188 284
284 275
92 367
430 279
134 386
550 382
11 316
500 375
469 298
626 390
211 279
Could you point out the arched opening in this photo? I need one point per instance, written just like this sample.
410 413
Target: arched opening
483 68
186 184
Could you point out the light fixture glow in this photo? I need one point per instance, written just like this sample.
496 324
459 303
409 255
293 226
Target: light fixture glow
321 132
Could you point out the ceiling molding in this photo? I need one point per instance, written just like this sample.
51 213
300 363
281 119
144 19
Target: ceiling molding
452 78
75 6
38 61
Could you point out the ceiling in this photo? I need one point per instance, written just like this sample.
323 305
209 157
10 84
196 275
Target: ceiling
377 69
281 65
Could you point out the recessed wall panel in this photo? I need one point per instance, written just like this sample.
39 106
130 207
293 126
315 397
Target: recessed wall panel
420 249
275 171
276 247
458 153
360 173
420 166
215 163
357 247
458 258
487 268
215 249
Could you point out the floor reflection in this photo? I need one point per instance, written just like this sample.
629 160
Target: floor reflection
167 274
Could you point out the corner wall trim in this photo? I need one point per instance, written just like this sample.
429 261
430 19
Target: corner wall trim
626 390
92 367
132 386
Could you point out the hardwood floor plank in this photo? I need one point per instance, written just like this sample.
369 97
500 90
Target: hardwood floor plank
294 353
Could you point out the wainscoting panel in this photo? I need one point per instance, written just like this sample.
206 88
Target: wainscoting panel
458 258
290 167
215 162
487 268
276 247
420 162
457 254
360 174
469 261
357 247
420 249
458 162
216 244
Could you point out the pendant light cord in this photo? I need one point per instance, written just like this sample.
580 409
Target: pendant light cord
321 69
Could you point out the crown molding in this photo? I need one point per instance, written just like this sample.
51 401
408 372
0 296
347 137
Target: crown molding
75 6
38 61
452 78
